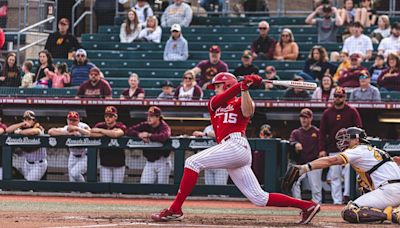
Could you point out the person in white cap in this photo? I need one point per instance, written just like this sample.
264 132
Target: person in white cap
176 48
80 68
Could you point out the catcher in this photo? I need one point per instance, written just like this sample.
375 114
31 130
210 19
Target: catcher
377 170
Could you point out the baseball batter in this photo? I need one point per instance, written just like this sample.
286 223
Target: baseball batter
229 117
378 172
77 160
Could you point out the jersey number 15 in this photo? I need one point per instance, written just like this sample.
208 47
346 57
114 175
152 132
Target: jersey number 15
230 117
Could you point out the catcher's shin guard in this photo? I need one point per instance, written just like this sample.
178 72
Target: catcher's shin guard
355 214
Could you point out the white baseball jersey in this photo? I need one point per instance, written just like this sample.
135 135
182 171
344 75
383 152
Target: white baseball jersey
365 157
78 150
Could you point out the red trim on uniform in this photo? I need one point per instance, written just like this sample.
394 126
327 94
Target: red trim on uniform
281 200
188 182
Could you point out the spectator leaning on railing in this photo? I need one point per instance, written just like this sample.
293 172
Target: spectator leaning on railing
112 160
151 32
366 91
61 44
286 48
358 42
247 67
177 13
35 164
11 73
176 48
134 91
130 29
211 67
327 26
77 160
264 46
155 129
80 68
188 90
391 44
390 78
95 87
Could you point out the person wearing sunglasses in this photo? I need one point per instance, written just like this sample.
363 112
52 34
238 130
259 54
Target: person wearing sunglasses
176 48
286 48
77 160
340 115
264 46
188 90
80 68
61 44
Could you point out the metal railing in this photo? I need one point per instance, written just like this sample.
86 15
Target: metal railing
82 16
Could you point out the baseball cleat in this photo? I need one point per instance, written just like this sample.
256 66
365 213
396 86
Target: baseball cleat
308 215
396 215
167 215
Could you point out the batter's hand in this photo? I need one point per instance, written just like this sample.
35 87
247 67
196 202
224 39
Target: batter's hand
397 160
253 79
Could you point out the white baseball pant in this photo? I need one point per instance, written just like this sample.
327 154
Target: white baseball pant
233 154
216 176
335 175
315 182
112 174
77 166
35 171
382 197
157 171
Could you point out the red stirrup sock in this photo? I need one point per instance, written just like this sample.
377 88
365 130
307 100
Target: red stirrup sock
188 182
281 200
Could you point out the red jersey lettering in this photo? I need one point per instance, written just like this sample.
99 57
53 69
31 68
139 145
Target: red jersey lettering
228 119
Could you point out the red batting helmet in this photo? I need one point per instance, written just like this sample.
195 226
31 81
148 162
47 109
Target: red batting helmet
224 77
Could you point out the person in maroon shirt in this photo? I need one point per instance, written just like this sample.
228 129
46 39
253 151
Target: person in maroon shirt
389 79
350 77
258 157
134 92
264 46
155 129
95 87
305 142
209 68
112 160
339 116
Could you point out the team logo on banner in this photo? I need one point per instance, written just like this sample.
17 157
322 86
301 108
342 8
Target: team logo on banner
52 141
140 144
83 142
22 141
113 142
201 144
176 143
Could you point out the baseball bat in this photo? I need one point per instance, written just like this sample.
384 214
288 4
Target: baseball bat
290 84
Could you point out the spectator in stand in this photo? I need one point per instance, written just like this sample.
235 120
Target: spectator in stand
358 42
27 79
35 164
348 13
176 48
211 67
258 157
327 26
286 48
376 69
130 29
264 46
152 32
391 44
383 30
11 76
61 44
317 65
344 60
77 161
339 116
270 74
80 68
177 13
366 14
143 11
247 66
60 77
350 77
366 91
105 11
158 164
112 159
46 62
188 90
213 5
296 93
95 87
167 91
390 78
305 142
134 91
324 92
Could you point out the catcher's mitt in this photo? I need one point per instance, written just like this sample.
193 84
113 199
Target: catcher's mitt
291 176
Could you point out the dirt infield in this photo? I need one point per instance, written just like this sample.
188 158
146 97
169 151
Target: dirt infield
68 212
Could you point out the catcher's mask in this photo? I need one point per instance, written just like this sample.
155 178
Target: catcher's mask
344 135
